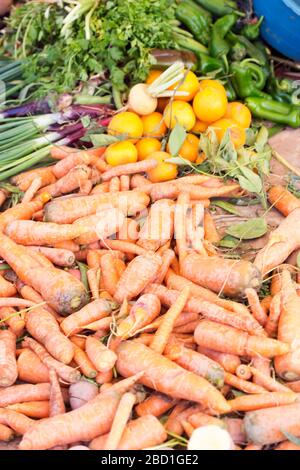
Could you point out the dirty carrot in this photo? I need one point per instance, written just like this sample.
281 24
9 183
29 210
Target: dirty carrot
129 169
272 322
13 320
6 434
8 365
31 369
93 280
260 401
125 182
103 358
109 274
283 200
226 339
162 334
268 382
7 289
255 306
158 227
95 310
16 421
32 190
24 393
25 179
180 234
210 230
64 371
32 409
156 405
123 246
58 256
142 313
241 384
121 417
56 401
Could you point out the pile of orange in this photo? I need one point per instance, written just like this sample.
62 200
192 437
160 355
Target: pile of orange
204 106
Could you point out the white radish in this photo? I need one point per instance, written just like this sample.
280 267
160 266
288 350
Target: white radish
143 98
210 437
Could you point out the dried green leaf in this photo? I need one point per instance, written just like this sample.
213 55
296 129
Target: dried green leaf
102 140
228 242
176 139
253 228
250 180
226 206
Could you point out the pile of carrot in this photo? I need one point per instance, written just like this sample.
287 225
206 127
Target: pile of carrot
123 327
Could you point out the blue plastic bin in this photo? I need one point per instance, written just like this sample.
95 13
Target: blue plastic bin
281 27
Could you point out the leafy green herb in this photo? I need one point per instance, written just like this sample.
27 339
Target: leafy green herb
253 228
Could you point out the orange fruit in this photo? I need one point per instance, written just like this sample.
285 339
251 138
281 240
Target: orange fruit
153 75
189 149
239 113
126 123
147 146
200 127
154 125
120 153
179 112
189 85
210 103
201 158
237 133
164 171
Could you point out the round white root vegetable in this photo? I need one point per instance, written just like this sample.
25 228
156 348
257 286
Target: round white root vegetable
81 392
210 438
79 448
140 101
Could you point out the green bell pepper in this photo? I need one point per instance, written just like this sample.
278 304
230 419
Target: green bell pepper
253 51
219 46
281 113
248 79
194 20
220 7
252 31
210 64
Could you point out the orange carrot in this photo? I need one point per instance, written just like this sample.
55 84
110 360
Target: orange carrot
231 277
139 434
63 292
271 325
83 424
24 393
99 325
62 167
96 310
28 232
39 258
263 365
65 372
181 210
32 190
68 183
93 280
103 358
99 226
104 377
32 409
109 274
210 230
268 382
138 181
129 169
114 185
129 284
25 179
6 288
162 335
283 200
68 245
123 246
56 401
266 303
187 328
226 339
207 309
159 225
287 366
6 434
129 230
101 188
156 405
13 320
121 417
28 293
58 256
43 327
8 366
22 211
31 369
66 211
202 419
125 182
255 307
172 189
83 362
264 400
243 385
195 362
244 372
120 266
16 421
228 361
15 302
143 312
282 242
173 424
176 382
266 426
